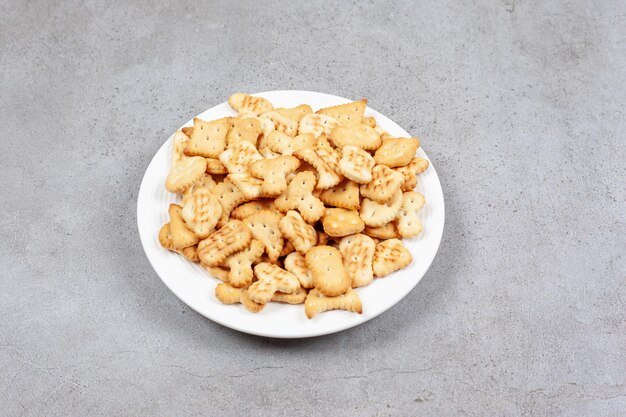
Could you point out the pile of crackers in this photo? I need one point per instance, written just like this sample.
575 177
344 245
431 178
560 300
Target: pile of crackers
291 205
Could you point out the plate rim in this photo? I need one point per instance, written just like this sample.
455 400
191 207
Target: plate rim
316 332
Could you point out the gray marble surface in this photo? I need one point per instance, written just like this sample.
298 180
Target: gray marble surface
519 104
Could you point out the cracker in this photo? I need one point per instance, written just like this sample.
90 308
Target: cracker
390 255
330 155
229 197
218 272
182 236
244 130
295 113
343 195
215 166
271 279
239 156
179 143
408 221
357 252
231 238
396 152
246 104
370 121
410 171
208 139
284 144
316 303
301 234
376 214
183 174
298 196
287 248
274 173
190 253
348 114
356 164
329 275
281 123
361 136
264 226
385 182
250 187
228 294
240 264
340 222
267 153
386 231
165 237
201 212
206 181
326 176
296 264
187 130
297 297
317 124
251 207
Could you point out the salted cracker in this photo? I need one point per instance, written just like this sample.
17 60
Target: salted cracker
329 275
301 234
343 195
228 294
316 302
264 227
410 172
184 173
296 297
396 152
386 231
357 252
208 139
348 114
296 264
407 219
240 264
244 130
390 255
271 279
182 235
250 187
327 177
316 124
298 196
376 214
252 207
339 222
356 164
239 156
281 143
295 113
231 238
201 212
361 136
385 182
246 104
281 123
274 173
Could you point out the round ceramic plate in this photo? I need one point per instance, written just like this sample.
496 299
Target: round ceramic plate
195 287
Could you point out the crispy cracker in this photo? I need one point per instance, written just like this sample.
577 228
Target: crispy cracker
182 236
357 252
179 143
301 234
205 181
271 279
296 297
279 142
410 172
386 231
274 173
165 237
317 124
231 238
370 121
340 222
361 136
287 248
329 275
327 178
298 196
208 139
390 255
296 264
264 226
252 207
356 164
385 182
190 253
229 197
184 173
348 114
218 272
408 222
240 264
246 104
250 187
228 294
239 156
201 212
244 130
215 166
396 152
281 123
343 195
376 214
295 113
316 303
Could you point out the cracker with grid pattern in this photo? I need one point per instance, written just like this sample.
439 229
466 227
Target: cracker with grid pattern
240 264
348 114
218 272
215 166
274 173
329 275
271 279
385 182
390 255
396 152
184 173
244 130
208 139
231 238
316 124
252 207
298 196
301 234
295 113
316 303
296 264
386 231
239 156
250 187
361 136
296 297
244 103
201 212
229 197
407 220
182 235
228 294
339 222
410 172
356 164
205 181
376 214
284 144
264 226
165 239
281 123
326 177
179 143
357 252
343 195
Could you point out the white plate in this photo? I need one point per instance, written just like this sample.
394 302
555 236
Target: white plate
195 287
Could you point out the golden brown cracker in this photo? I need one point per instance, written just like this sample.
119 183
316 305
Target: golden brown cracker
329 275
271 279
251 187
298 196
301 234
356 164
252 207
386 231
376 214
264 226
179 143
228 294
296 264
284 144
182 236
295 113
239 156
361 136
410 171
215 166
385 182
316 124
343 195
244 130
316 303
246 104
184 173
274 173
370 121
390 255
208 139
218 272
407 219
296 297
396 152
348 114
240 264
357 252
231 238
201 212
326 177
341 222
229 197
281 123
